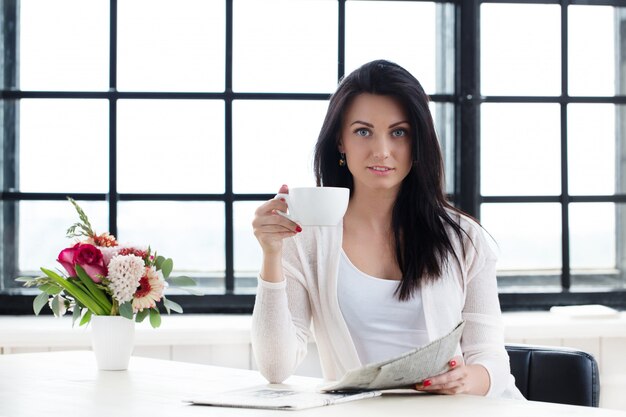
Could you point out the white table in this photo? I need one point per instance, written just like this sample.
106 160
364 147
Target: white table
68 384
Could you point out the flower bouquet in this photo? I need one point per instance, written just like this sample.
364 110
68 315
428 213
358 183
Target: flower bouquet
105 278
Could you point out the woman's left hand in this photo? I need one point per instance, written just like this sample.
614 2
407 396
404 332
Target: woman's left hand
460 379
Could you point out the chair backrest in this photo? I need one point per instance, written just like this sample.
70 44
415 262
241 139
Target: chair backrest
555 374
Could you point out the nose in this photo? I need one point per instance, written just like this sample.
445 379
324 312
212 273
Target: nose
381 148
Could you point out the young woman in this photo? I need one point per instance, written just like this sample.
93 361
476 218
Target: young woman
404 266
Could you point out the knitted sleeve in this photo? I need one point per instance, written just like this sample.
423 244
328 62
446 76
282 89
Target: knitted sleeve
483 337
281 320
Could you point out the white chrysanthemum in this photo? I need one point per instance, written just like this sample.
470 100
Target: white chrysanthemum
124 275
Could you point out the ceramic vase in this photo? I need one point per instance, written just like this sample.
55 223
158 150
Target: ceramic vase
112 339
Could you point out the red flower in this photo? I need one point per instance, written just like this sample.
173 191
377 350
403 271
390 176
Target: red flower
105 239
132 251
66 258
87 256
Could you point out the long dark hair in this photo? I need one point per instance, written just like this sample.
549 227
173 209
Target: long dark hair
421 213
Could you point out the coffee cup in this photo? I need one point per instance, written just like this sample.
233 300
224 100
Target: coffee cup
316 206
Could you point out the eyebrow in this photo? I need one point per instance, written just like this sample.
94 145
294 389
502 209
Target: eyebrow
371 125
361 122
399 123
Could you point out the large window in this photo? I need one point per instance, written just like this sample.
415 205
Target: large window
170 122
552 147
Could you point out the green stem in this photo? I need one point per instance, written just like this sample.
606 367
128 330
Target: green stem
115 308
97 293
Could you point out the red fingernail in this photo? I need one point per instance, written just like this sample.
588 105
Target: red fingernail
453 363
298 229
282 199
426 382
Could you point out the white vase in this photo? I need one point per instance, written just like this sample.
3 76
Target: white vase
112 339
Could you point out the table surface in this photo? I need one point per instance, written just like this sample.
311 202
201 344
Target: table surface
68 383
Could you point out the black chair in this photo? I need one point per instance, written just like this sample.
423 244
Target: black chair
555 374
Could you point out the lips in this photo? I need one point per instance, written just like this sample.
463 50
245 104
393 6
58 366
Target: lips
380 171
380 168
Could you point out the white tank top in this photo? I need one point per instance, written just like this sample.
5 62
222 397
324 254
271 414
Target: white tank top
381 326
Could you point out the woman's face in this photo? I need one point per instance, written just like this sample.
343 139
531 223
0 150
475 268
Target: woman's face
376 138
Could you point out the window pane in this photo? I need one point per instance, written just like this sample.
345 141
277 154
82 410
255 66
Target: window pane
64 146
443 115
164 46
520 49
273 144
191 233
528 236
42 230
64 45
597 251
520 149
592 236
591 50
416 35
285 45
591 148
248 254
170 146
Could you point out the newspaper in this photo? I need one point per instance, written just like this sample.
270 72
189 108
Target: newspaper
399 372
402 371
279 397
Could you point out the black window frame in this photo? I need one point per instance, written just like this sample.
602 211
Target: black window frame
466 192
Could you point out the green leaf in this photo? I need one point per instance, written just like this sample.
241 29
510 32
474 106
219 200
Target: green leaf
126 310
158 262
192 291
181 281
86 318
141 315
184 283
75 314
56 306
25 279
155 318
171 305
166 267
97 293
40 301
75 292
51 289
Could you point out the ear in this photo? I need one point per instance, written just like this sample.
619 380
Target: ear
340 146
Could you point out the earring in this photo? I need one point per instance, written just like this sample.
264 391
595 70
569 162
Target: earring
342 159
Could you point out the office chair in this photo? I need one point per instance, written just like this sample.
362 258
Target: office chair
555 374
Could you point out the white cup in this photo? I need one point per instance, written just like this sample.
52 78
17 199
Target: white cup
316 206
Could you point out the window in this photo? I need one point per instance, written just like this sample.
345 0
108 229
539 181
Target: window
171 123
551 148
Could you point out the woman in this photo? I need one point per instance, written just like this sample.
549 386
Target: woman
403 268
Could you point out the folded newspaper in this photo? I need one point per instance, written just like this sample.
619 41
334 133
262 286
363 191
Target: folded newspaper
404 370
279 397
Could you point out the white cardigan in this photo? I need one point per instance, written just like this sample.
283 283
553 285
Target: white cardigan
283 311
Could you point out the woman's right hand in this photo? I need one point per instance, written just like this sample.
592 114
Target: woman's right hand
270 228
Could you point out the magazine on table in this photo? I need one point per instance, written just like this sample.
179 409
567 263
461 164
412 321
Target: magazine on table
280 397
402 371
